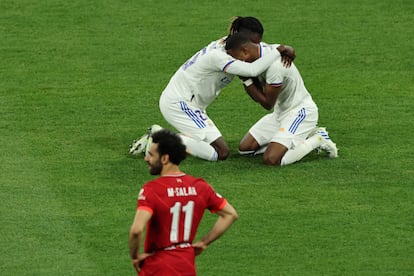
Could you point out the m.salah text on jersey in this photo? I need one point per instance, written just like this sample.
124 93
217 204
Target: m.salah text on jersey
181 191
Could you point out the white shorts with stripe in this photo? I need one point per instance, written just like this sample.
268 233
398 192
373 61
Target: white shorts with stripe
189 119
288 130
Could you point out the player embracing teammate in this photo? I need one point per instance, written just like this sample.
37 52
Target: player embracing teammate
198 82
290 132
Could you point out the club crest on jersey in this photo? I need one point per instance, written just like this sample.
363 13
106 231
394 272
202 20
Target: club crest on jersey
141 195
182 191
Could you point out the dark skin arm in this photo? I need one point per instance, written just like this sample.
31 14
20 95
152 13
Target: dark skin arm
266 95
287 53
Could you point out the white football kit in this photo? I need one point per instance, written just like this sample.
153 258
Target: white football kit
295 114
199 81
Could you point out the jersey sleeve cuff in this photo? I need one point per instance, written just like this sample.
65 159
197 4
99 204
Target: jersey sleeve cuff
145 208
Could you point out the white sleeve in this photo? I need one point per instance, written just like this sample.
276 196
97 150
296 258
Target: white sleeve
275 73
247 69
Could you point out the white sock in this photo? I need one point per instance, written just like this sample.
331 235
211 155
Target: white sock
297 153
261 150
246 152
199 149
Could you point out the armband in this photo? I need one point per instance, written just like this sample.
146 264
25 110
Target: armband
248 82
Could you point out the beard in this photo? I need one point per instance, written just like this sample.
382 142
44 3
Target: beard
155 169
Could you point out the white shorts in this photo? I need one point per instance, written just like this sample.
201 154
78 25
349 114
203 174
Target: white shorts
289 130
189 119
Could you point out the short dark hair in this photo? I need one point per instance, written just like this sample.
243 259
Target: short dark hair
171 144
236 40
246 24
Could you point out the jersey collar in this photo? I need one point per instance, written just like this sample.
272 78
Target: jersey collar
174 174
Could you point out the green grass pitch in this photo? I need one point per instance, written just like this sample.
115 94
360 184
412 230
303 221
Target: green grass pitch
79 80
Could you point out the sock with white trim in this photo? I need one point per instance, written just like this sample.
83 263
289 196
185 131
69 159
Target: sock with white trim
199 149
246 152
261 150
300 151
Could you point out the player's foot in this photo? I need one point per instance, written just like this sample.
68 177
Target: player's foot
151 130
327 144
139 145
142 144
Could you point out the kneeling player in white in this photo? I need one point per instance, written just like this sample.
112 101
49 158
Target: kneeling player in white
195 86
290 132
199 81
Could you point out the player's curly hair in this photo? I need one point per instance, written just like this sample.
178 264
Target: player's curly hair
171 144
246 24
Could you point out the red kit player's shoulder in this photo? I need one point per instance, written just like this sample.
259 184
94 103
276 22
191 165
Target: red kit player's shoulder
195 181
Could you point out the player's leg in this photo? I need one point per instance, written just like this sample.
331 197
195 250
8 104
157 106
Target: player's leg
274 154
327 144
301 150
221 148
248 145
297 127
197 130
257 139
199 148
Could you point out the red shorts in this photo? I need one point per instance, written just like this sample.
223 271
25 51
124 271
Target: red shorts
176 262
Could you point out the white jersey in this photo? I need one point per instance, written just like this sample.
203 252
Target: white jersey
202 77
294 93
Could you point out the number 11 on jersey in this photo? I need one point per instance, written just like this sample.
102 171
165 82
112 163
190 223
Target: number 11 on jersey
176 211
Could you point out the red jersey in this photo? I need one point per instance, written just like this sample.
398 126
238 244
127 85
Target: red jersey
177 203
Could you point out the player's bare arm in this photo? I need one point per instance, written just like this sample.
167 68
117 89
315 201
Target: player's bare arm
135 237
266 95
227 216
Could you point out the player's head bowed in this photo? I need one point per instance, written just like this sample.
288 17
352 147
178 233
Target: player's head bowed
247 24
237 40
240 46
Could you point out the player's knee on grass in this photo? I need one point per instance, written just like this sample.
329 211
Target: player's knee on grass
272 160
244 147
223 153
274 154
248 143
221 148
